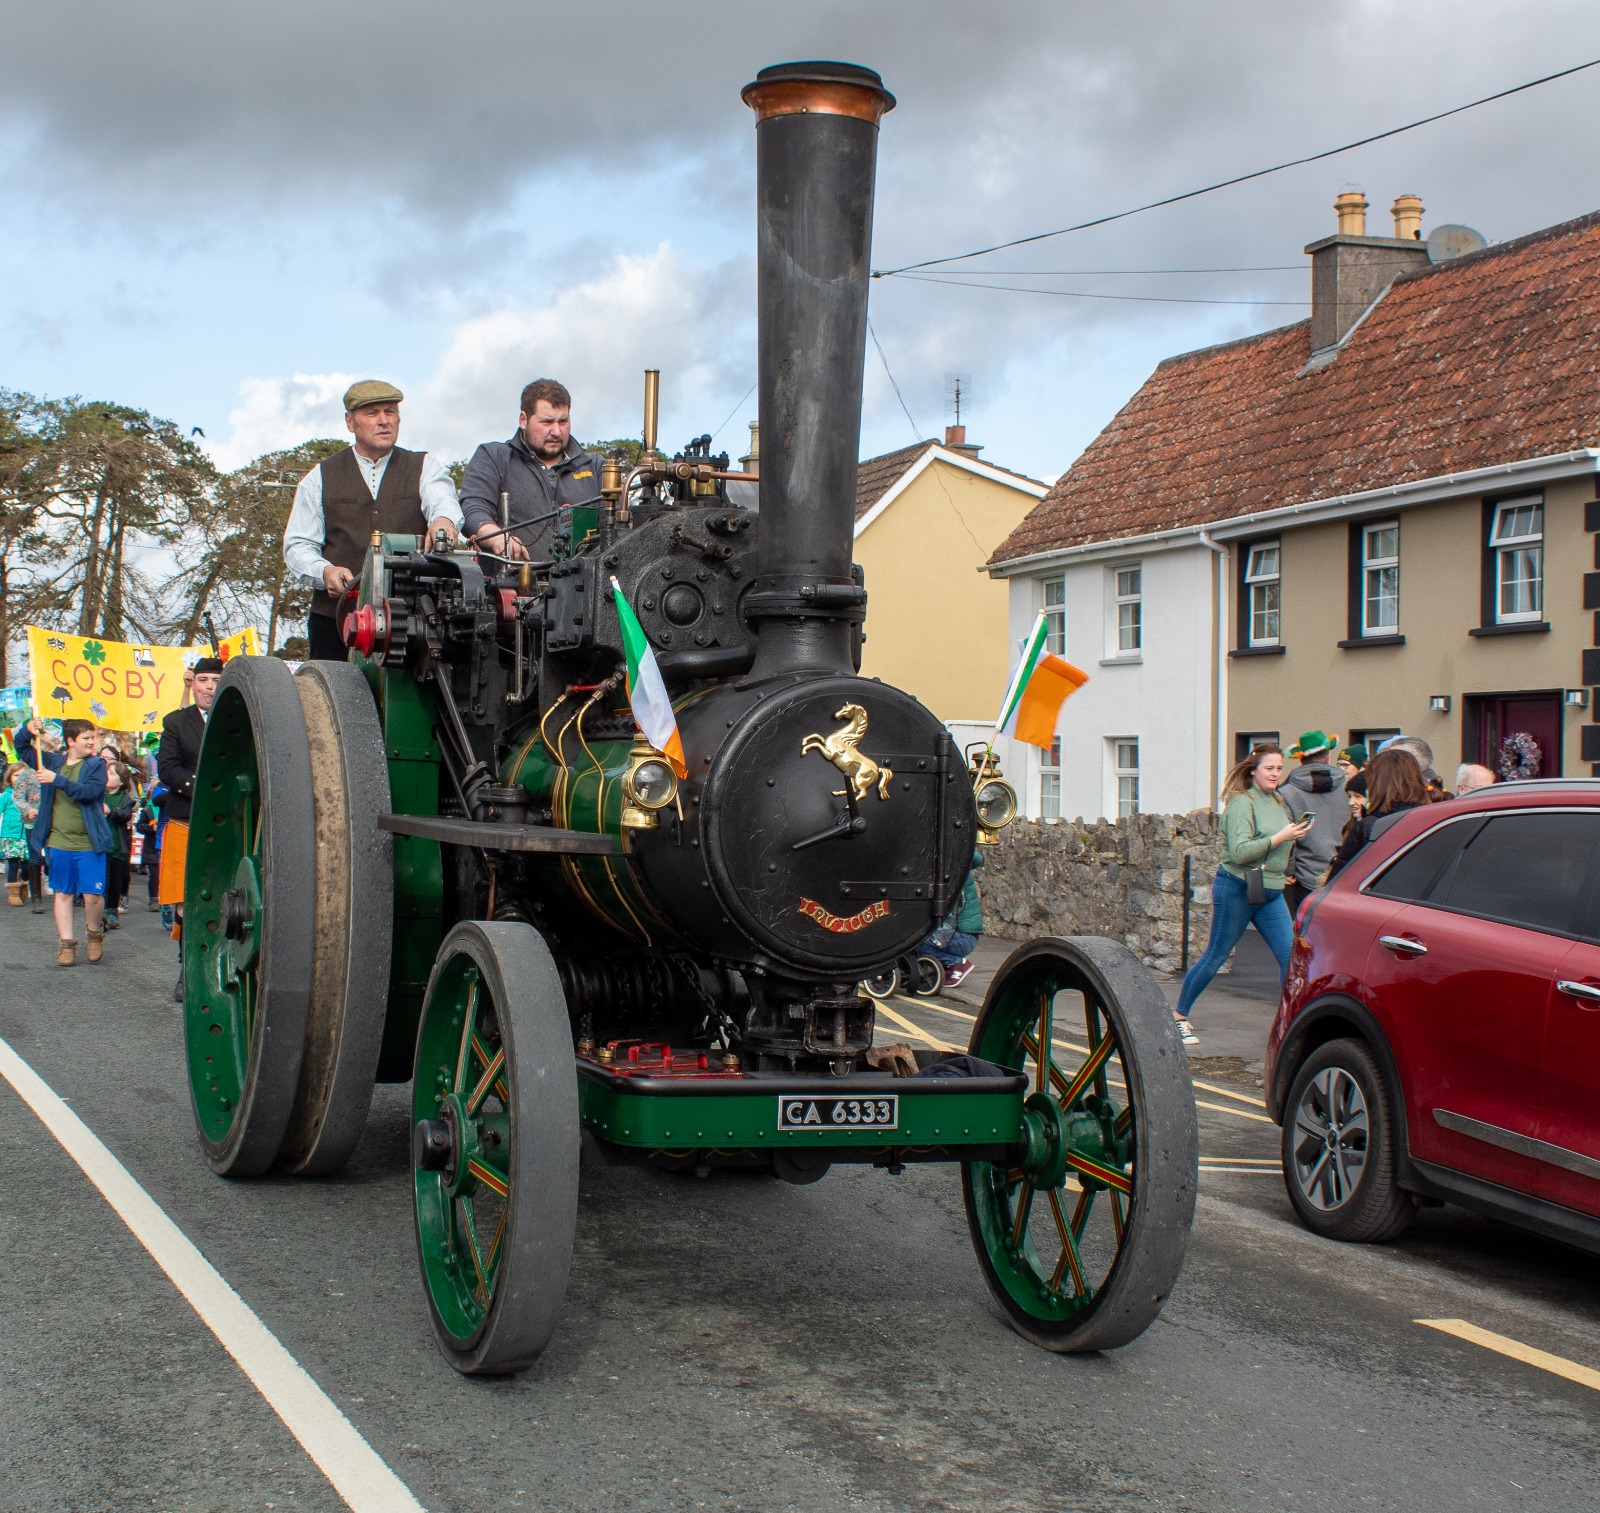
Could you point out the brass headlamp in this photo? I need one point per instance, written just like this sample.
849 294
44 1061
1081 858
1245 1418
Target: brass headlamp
996 798
648 786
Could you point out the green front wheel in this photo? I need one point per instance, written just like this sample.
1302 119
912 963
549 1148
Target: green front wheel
494 1147
1081 1236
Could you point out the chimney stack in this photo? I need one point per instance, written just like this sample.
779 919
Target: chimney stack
751 461
1351 207
1407 212
955 440
1350 269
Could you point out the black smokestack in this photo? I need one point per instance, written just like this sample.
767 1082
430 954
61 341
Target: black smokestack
816 152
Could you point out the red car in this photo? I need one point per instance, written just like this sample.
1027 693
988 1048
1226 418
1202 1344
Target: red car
1439 1032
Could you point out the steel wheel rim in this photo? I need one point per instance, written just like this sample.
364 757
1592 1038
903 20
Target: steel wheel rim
1332 1128
1053 1224
463 1211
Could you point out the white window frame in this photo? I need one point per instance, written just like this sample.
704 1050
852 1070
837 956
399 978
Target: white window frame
1508 545
1123 798
1374 568
1246 741
1260 582
1053 593
1125 620
1050 781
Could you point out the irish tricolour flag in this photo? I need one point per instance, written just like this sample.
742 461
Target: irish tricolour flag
1039 687
652 709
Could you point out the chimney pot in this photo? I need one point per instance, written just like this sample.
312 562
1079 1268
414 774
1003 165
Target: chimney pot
1407 212
1351 208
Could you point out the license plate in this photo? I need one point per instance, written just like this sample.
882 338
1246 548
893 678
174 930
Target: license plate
839 1113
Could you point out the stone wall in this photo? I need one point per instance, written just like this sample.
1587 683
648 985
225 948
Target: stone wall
1118 878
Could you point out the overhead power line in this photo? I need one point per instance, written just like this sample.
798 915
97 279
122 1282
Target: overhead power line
916 430
1144 299
1125 272
1242 178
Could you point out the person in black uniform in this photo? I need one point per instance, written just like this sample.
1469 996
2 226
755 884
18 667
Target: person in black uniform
373 485
176 759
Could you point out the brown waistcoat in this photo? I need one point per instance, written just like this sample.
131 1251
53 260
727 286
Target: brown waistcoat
350 514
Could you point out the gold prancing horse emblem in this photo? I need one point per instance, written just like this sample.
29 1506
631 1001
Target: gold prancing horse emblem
861 772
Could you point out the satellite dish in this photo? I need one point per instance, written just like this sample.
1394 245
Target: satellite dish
1446 242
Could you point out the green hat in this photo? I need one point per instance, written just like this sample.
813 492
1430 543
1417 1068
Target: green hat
1313 740
371 391
1356 755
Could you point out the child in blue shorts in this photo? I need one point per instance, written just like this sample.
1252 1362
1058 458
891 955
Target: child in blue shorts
71 829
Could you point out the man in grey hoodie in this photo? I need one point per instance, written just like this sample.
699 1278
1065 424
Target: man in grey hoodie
1317 789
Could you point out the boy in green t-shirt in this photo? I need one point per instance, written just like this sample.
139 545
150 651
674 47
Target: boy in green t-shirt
71 829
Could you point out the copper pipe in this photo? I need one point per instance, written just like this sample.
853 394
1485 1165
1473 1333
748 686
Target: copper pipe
652 407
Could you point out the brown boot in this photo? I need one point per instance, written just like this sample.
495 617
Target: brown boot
67 953
16 894
97 946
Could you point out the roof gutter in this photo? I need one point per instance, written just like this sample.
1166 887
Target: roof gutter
1529 471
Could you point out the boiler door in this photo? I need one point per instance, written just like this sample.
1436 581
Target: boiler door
838 822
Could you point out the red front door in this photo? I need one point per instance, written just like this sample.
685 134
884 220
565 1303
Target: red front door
1501 719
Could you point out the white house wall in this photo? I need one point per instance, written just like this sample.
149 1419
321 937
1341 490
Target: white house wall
1164 698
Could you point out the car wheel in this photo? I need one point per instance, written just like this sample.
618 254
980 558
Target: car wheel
1339 1142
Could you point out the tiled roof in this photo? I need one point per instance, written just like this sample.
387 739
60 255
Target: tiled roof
1491 358
875 476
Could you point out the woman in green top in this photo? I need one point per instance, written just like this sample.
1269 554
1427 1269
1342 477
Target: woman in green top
1257 831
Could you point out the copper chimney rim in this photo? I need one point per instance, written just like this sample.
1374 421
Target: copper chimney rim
831 89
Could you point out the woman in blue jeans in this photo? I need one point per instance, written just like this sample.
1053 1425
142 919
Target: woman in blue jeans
1257 831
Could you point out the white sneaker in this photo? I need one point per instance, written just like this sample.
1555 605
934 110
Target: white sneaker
1186 1032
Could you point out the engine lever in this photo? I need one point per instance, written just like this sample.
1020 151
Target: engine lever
843 828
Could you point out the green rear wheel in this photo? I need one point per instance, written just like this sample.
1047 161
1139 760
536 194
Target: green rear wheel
1082 1236
494 1147
247 934
353 905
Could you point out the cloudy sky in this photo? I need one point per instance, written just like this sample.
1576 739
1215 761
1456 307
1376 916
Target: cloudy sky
224 212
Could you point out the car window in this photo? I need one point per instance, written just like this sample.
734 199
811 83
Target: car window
1532 869
1415 870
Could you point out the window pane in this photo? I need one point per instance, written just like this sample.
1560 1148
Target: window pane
1128 626
1055 631
1383 543
1415 871
1263 562
1521 580
1382 607
1055 591
1050 796
1528 869
1127 796
1127 581
1127 754
1264 613
1516 521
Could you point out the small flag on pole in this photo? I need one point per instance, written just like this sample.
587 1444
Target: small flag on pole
647 694
1041 684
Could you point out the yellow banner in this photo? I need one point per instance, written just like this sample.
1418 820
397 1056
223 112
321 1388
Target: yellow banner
118 684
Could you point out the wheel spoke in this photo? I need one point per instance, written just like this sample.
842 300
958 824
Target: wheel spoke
492 1260
1069 1249
491 1078
469 1232
469 1023
1042 1051
1110 1175
1119 1221
1019 1222
1091 1070
491 1176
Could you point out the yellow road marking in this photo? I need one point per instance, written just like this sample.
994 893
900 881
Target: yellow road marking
1219 1108
1556 1365
911 1029
1210 1087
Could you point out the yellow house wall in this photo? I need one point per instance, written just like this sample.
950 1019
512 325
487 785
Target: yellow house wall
936 624
1316 684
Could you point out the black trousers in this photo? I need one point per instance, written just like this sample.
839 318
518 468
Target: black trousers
116 880
323 634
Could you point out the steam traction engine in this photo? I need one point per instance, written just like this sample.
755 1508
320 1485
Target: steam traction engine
454 859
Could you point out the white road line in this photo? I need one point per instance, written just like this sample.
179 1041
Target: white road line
914 1029
355 1469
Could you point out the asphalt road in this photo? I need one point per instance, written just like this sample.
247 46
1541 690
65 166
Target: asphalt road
736 1343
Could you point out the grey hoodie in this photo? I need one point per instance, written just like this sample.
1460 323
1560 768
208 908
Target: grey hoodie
1315 788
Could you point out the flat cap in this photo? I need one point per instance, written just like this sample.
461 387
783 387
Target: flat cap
371 391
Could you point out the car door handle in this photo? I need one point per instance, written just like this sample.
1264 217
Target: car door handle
1579 990
1404 944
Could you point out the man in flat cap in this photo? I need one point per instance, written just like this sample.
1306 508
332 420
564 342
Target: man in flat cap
540 469
373 485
